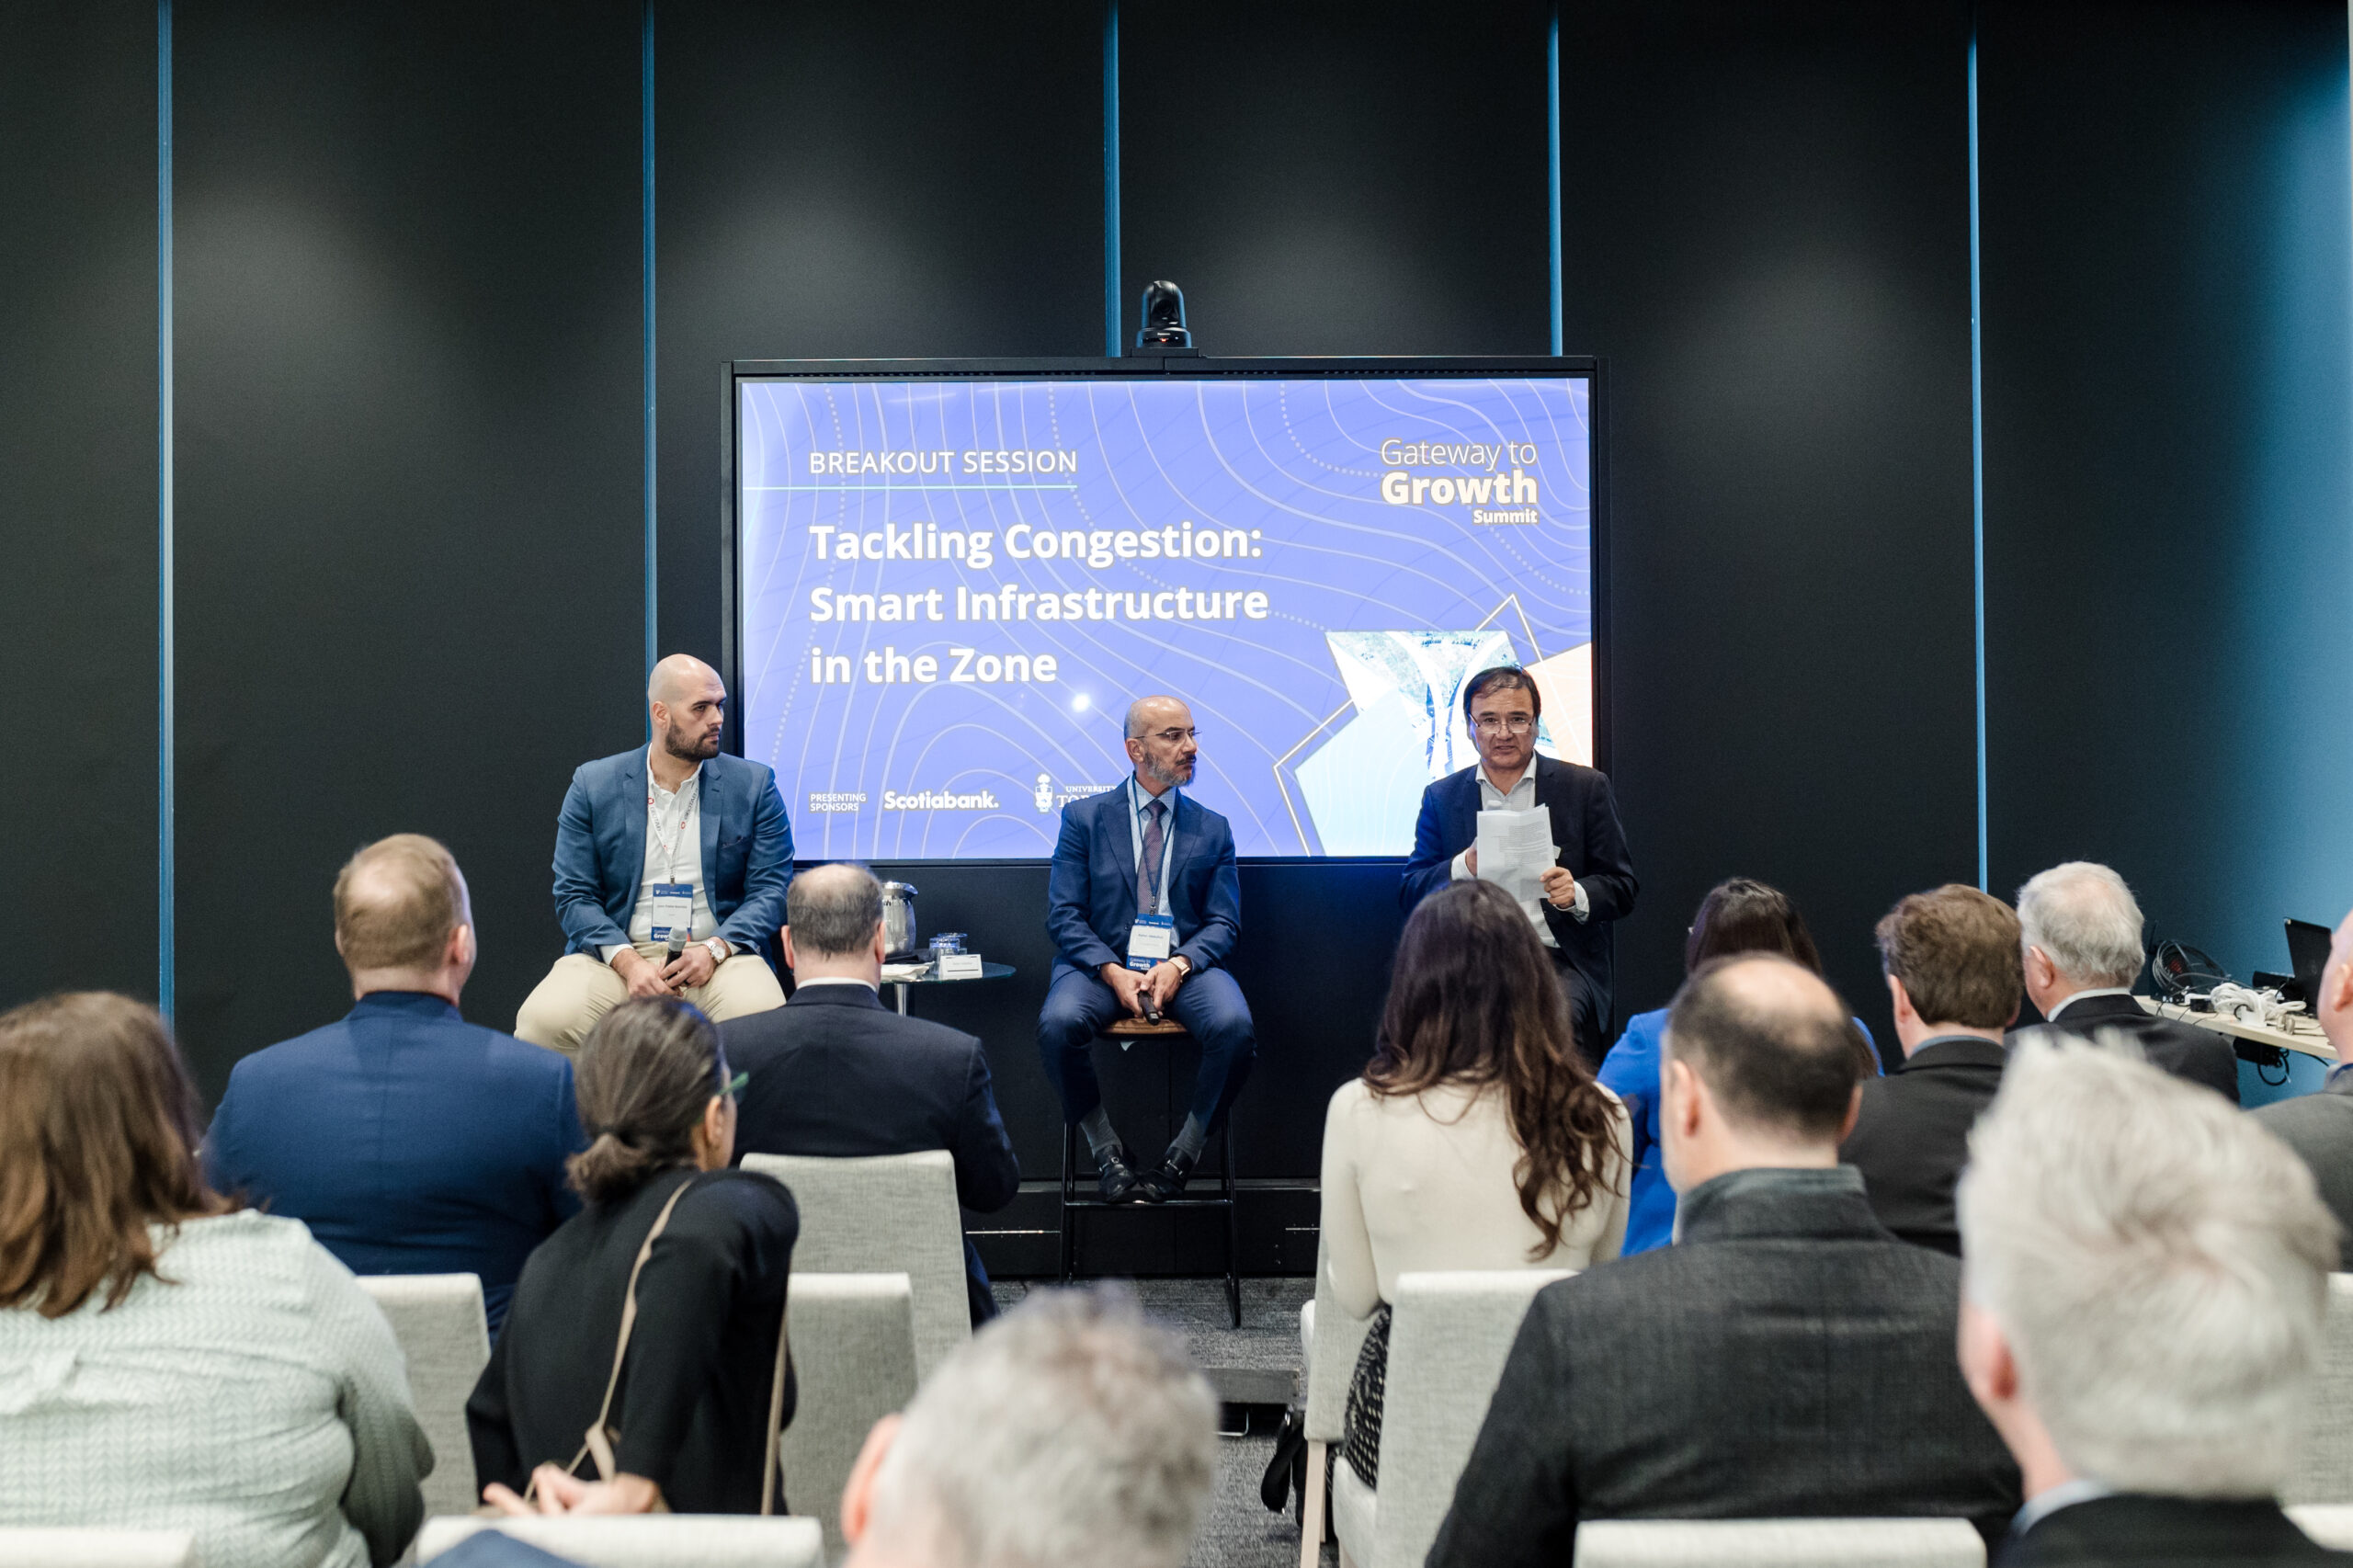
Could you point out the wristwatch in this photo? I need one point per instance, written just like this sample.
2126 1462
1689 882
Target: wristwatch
1179 958
717 947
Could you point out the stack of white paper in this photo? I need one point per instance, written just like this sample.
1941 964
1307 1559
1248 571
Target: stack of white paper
1516 849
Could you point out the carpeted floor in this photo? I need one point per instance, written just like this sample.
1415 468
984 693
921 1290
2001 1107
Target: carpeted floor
1249 1364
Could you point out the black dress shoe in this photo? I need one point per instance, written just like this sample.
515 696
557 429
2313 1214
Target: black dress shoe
1167 1180
1116 1179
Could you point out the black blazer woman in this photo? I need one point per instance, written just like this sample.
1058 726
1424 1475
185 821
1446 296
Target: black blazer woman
689 1407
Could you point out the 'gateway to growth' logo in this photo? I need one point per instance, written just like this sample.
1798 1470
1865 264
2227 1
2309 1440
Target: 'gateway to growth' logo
939 800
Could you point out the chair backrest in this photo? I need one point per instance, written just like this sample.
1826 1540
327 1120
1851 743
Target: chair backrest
1449 1335
854 1362
2325 1450
1335 1340
1777 1543
648 1540
885 1214
2331 1524
437 1318
96 1548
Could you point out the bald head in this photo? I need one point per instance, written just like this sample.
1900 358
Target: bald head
834 910
688 703
1160 742
1146 714
1772 1042
398 903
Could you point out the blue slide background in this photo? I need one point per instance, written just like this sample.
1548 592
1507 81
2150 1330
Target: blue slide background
1320 722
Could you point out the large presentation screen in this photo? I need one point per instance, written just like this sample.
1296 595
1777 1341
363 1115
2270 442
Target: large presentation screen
950 590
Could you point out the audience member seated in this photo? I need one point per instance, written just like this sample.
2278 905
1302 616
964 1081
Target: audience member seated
167 1360
2320 1126
2146 1281
1476 1138
1067 1432
2082 935
1737 917
701 1249
408 1140
1951 961
1786 1358
834 1072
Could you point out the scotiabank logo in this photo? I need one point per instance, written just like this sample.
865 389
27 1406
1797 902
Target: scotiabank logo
939 800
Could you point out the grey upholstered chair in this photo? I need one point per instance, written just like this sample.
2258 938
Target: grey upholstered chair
438 1320
96 1548
2324 1455
1778 1543
1329 1342
648 1540
885 1214
2331 1524
854 1362
1449 1335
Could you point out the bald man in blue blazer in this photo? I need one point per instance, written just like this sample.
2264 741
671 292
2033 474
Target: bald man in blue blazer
1145 849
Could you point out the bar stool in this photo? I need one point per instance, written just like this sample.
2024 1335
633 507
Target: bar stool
1168 1031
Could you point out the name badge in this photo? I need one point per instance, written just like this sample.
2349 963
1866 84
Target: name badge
1151 939
674 904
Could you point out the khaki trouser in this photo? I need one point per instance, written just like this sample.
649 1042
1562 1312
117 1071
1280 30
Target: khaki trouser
582 988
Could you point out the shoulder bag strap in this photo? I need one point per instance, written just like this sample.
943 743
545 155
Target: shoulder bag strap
600 1435
772 1472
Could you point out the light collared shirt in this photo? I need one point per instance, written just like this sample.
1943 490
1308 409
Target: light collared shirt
1138 798
1521 797
2093 990
673 854
2067 1494
801 985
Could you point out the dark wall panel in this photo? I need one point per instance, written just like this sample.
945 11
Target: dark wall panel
857 181
77 493
1339 178
409 472
2168 281
1766 236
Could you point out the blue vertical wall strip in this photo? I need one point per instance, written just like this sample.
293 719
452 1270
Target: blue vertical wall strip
164 965
1977 462
1552 157
645 176
1111 345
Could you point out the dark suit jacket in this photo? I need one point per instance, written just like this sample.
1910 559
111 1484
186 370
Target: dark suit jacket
2320 1129
1786 1358
408 1140
600 851
2202 1056
2128 1531
1592 844
834 1072
1910 1138
1091 891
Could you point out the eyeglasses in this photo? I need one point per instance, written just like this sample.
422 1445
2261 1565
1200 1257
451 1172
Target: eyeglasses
1170 737
1505 725
735 1084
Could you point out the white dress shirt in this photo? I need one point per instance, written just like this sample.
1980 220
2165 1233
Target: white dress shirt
2076 996
673 854
1521 797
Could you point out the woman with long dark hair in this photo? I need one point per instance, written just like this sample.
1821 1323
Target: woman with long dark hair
1739 916
168 1361
589 1406
1476 1138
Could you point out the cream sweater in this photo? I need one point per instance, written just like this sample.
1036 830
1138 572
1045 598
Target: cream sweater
1424 1182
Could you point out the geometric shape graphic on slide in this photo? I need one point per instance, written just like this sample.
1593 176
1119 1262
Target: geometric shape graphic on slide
1565 683
1363 787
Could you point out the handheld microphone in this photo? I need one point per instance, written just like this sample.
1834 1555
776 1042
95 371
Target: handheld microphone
678 945
1151 1007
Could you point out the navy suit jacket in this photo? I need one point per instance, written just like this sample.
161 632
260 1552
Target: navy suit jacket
1091 892
408 1140
836 1073
600 851
1592 844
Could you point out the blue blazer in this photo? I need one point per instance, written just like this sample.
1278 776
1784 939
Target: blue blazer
1592 844
1091 893
600 851
408 1140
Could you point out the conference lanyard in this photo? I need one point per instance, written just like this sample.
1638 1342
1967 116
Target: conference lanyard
688 810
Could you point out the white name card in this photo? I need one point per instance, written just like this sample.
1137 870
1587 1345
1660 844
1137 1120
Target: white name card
959 966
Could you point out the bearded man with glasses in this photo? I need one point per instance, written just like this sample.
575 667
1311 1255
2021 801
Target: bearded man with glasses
1591 881
1144 905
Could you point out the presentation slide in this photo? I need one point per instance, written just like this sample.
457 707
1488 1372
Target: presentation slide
951 589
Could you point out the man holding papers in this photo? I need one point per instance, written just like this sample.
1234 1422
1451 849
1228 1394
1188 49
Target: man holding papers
1546 830
1143 904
